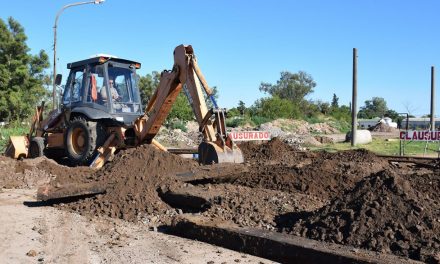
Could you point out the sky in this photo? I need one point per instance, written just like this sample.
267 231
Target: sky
240 44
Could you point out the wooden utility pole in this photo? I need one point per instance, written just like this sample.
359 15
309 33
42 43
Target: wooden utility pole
432 99
354 101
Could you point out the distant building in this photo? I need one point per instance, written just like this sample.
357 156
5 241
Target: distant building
367 123
420 123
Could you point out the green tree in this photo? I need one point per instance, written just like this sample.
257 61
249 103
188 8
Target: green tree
376 107
147 85
241 107
342 113
309 109
291 86
21 74
275 107
324 107
391 114
181 109
335 101
233 112
209 103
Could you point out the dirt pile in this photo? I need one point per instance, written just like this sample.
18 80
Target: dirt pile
298 127
177 138
26 173
321 174
30 173
66 174
255 207
324 139
273 151
133 178
382 127
297 133
382 213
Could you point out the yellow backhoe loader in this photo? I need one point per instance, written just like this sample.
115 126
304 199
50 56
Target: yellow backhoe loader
101 112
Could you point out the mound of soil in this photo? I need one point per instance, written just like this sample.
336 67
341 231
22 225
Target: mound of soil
133 178
26 173
382 127
325 175
324 139
273 151
64 174
382 213
255 207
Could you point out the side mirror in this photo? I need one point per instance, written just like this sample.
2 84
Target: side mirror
58 79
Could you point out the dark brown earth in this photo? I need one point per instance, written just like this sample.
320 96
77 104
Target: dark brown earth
274 152
353 197
67 174
384 212
25 173
324 175
134 177
30 173
256 207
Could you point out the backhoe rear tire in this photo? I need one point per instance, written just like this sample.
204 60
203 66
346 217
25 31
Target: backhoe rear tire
82 139
36 147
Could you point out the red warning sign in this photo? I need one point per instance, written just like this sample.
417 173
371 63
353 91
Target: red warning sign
249 135
425 135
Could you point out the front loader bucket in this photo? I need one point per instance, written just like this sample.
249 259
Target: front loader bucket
17 147
210 153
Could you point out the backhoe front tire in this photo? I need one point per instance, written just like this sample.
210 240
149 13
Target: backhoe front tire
36 147
81 141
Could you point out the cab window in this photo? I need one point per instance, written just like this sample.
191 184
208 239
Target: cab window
125 87
72 93
96 84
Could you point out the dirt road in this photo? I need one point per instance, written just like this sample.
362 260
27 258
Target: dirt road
33 234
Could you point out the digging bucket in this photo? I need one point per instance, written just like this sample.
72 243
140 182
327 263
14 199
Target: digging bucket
210 153
17 147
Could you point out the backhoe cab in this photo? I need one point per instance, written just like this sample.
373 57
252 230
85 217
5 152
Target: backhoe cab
103 88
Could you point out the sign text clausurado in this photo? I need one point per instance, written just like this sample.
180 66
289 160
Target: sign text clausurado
249 135
424 135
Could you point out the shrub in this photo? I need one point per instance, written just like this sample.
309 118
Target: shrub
177 124
236 121
275 107
258 120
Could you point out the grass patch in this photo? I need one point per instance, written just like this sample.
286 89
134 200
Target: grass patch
258 120
237 121
418 147
314 119
177 124
341 125
247 120
384 147
11 130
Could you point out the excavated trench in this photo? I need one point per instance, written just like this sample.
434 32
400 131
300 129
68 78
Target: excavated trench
350 206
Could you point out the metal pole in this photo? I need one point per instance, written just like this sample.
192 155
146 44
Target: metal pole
432 99
55 43
354 101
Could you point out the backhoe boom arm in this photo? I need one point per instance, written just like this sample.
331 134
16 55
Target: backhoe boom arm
186 74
